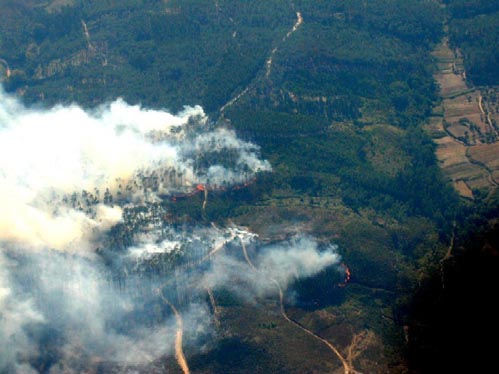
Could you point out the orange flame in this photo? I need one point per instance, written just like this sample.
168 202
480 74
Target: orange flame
202 187
348 275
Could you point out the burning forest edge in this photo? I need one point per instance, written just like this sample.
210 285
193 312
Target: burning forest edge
85 275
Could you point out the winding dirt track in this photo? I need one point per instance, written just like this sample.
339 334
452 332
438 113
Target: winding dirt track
348 369
87 36
205 201
7 68
296 26
179 352
486 115
233 101
214 250
268 65
216 311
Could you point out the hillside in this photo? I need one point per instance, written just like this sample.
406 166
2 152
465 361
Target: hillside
338 95
464 125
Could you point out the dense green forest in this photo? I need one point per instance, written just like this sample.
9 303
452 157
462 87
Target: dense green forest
139 51
474 28
371 69
338 112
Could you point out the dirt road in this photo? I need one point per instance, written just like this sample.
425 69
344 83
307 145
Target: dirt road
216 311
7 68
179 352
270 59
348 369
268 66
205 201
87 36
486 115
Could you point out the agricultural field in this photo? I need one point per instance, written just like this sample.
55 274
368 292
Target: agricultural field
465 126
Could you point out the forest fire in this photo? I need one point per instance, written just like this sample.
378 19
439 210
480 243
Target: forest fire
348 275
199 188
203 188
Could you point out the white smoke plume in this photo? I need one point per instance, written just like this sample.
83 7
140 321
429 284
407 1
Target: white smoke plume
16 311
301 258
283 262
68 178
48 153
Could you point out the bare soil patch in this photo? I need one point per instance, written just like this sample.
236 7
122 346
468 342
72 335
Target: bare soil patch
487 154
450 152
463 189
466 135
450 83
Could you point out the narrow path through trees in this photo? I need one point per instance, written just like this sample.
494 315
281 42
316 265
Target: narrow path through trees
348 369
268 66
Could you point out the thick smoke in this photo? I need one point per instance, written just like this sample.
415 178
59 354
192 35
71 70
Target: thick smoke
17 312
89 267
301 258
127 150
283 262
62 310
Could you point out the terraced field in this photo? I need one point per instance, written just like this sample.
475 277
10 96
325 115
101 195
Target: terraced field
465 126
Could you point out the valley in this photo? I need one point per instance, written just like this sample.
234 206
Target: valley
259 186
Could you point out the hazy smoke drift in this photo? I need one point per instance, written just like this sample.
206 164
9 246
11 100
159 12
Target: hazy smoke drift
283 262
45 154
59 310
60 306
